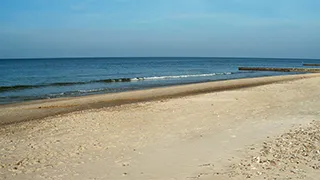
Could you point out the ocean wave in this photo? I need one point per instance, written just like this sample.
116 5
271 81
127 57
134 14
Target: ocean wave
17 87
183 76
23 87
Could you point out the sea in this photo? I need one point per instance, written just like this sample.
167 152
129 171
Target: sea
33 79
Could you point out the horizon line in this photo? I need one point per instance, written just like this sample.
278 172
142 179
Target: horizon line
124 57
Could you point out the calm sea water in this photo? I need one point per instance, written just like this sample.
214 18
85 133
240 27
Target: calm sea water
30 79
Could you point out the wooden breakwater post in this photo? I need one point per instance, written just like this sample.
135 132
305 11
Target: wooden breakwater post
311 64
309 70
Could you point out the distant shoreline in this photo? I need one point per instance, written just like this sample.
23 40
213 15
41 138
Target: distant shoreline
26 111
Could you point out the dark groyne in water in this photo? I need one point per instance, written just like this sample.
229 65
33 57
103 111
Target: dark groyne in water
311 64
307 70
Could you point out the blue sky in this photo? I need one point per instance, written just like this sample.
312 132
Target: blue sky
232 28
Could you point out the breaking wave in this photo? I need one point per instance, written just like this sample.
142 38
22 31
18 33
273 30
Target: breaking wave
22 87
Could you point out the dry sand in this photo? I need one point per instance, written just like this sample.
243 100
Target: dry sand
293 155
264 132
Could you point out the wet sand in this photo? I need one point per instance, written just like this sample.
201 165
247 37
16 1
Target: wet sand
210 134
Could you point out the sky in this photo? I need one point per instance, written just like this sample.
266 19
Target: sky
205 28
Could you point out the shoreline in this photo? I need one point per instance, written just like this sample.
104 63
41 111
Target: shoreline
32 110
101 91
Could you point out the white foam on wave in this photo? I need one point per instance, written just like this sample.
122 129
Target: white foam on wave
179 76
91 90
74 92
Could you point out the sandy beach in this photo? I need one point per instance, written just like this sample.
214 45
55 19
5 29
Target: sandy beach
259 128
